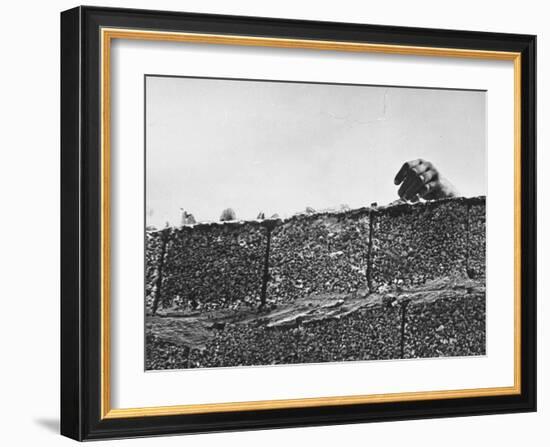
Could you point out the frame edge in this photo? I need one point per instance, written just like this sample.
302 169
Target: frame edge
71 402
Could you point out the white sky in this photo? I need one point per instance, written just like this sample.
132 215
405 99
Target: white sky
279 147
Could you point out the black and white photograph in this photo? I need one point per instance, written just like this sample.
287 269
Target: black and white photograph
286 221
300 222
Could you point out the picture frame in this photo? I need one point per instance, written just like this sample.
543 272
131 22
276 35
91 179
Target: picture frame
87 36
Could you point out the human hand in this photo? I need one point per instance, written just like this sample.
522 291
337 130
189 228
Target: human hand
421 179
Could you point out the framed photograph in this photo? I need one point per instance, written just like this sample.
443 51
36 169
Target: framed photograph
277 223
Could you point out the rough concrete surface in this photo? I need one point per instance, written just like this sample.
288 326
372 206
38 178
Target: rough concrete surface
406 281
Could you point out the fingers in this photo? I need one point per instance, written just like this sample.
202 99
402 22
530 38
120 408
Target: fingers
407 184
412 182
402 173
420 179
415 186
420 174
416 174
428 175
429 189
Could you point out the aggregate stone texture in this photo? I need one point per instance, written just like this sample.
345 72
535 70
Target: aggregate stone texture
446 328
153 250
212 266
415 243
477 240
319 254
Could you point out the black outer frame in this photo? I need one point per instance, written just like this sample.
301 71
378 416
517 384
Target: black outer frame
80 223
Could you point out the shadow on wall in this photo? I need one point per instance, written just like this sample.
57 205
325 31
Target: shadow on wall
51 425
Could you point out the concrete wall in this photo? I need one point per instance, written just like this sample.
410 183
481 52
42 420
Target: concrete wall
155 245
436 323
319 254
476 239
446 327
214 265
415 243
226 265
372 334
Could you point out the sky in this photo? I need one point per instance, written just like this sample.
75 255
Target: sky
279 147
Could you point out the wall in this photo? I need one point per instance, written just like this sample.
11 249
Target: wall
318 254
412 244
446 327
410 263
364 335
233 264
213 265
31 142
